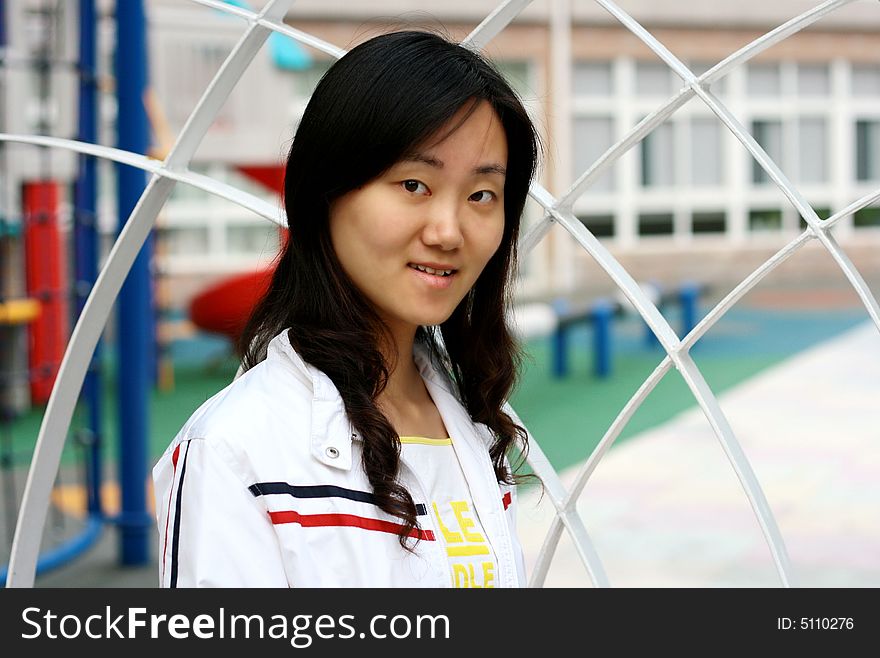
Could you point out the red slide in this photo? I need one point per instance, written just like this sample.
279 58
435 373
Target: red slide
225 307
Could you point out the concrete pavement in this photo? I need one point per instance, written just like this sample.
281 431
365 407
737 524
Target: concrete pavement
665 509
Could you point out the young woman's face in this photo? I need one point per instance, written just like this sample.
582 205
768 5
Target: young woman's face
442 209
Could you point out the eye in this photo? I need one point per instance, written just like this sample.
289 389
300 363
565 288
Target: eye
415 187
483 196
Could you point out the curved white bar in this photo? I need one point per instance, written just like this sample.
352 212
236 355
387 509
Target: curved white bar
494 23
276 25
205 183
554 488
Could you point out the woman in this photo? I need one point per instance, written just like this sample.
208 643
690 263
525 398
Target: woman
365 444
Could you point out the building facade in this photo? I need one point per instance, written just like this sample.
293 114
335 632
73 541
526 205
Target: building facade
688 201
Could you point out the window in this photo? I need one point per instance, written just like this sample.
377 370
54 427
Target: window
768 133
655 79
252 238
764 80
592 137
602 226
593 79
866 80
516 72
813 80
709 222
658 157
655 224
765 220
812 150
867 150
187 240
706 161
867 217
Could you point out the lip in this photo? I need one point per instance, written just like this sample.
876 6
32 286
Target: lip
434 281
433 265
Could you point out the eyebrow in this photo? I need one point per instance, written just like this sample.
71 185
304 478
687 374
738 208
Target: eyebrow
491 168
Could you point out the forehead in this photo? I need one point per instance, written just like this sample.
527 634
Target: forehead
474 136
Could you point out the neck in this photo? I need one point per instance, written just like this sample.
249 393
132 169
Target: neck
404 381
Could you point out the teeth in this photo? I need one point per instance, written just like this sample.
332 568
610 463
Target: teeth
431 270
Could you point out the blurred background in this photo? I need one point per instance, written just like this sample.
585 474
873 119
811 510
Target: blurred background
687 211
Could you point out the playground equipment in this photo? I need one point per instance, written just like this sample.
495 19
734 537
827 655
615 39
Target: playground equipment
225 307
53 296
45 315
600 314
556 211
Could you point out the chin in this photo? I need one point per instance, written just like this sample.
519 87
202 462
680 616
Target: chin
432 319
431 322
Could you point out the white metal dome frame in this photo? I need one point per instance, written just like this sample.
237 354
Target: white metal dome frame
167 173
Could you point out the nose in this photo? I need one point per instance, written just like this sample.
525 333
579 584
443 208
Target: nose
443 226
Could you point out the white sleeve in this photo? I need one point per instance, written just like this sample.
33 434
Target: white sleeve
511 508
212 531
508 500
510 511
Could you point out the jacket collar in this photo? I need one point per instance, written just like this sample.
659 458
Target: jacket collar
330 432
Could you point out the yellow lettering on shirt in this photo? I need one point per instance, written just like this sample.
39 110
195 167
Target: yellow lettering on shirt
466 542
488 574
473 577
460 576
450 536
467 551
459 507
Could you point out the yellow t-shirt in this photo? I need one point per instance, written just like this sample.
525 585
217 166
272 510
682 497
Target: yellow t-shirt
471 559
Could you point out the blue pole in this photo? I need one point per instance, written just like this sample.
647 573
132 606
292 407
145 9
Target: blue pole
688 295
602 314
560 352
86 239
559 342
135 300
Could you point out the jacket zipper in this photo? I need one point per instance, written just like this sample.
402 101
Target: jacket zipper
510 570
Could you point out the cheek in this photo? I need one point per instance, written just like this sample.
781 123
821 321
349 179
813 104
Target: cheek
493 241
356 232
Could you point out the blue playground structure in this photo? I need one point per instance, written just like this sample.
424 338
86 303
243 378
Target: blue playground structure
601 312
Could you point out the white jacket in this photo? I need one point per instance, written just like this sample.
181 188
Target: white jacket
264 487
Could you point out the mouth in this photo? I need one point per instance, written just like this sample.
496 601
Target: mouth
441 272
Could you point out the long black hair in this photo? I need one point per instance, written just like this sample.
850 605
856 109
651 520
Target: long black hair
378 103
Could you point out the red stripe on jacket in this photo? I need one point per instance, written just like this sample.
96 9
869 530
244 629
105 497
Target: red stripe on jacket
319 520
